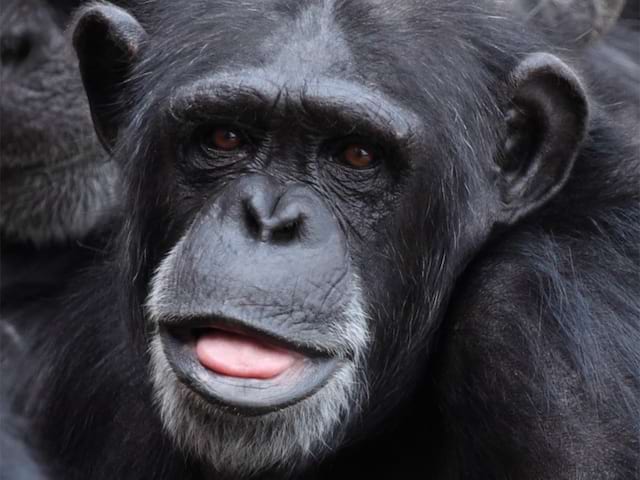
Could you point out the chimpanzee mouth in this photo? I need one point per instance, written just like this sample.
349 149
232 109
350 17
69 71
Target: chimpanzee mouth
241 369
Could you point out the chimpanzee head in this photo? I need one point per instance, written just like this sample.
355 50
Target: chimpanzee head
306 181
56 180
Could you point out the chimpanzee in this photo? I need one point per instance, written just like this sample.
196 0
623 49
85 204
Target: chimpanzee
56 187
57 183
361 238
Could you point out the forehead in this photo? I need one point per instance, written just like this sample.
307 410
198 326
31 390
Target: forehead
296 42
405 51
308 46
296 57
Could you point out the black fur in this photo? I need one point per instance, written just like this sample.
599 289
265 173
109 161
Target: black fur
513 355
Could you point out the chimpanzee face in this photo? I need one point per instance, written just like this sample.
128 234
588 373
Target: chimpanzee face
264 337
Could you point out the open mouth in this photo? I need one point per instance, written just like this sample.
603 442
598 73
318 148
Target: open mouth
242 369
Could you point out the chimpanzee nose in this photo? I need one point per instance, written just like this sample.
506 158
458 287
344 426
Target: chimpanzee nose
268 211
16 45
273 217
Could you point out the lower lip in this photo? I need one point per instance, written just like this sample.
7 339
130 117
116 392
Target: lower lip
241 394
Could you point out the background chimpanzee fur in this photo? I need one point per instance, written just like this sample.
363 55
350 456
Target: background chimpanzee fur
56 188
57 182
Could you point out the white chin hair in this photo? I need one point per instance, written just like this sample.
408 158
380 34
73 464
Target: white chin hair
285 440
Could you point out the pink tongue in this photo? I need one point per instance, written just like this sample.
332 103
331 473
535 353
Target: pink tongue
241 356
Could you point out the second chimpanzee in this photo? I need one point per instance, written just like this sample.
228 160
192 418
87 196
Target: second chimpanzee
57 186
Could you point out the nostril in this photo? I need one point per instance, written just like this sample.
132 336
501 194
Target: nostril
252 220
272 229
15 48
286 232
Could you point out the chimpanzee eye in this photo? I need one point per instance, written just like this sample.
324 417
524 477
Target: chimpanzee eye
358 156
225 139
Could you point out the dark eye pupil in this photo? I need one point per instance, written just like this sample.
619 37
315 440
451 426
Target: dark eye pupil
226 139
358 156
360 153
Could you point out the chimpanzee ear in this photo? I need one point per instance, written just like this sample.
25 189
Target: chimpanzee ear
107 41
546 124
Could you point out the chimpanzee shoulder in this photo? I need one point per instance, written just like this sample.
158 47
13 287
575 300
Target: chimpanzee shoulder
541 337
